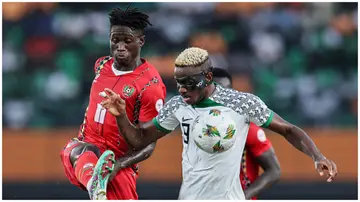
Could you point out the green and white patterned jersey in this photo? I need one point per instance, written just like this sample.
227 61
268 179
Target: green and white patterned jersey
213 176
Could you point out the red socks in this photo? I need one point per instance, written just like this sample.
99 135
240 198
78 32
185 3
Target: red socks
84 167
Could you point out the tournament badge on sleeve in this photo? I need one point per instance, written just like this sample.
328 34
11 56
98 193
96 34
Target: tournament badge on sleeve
128 91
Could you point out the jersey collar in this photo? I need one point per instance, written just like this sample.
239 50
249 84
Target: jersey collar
118 72
209 102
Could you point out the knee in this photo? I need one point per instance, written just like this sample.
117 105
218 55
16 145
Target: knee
92 148
81 148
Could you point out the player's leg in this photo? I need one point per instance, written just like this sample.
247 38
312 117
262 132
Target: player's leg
91 170
81 160
68 166
123 186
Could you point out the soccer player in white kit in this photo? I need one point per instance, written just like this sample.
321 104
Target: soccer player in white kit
210 176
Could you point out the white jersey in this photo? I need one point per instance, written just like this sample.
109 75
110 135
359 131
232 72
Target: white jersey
213 176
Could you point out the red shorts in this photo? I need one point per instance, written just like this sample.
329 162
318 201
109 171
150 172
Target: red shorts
121 187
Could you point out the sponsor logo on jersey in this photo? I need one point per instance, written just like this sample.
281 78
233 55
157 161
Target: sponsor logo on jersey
128 90
185 119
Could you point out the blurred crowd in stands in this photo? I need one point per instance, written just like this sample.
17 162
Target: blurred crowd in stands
300 58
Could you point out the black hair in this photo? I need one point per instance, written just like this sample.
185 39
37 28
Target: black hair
131 17
221 72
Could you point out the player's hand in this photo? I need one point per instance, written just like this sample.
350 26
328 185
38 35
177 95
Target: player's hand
113 102
326 165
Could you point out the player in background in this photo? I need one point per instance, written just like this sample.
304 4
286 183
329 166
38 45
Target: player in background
210 176
258 152
140 85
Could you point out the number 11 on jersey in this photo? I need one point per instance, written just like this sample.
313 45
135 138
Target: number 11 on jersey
100 114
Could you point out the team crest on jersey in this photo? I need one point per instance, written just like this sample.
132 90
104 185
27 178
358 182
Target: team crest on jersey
128 90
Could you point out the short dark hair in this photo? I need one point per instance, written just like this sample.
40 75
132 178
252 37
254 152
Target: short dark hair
221 72
131 17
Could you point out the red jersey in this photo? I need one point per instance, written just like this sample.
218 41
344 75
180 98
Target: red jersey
144 94
256 144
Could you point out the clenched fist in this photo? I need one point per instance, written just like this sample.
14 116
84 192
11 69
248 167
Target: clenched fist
326 165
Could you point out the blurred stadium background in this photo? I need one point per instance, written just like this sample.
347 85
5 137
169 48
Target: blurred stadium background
300 58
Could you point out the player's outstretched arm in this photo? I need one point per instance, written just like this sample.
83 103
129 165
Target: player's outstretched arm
270 164
300 140
138 138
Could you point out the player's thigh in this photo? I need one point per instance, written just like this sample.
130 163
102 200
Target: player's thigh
123 186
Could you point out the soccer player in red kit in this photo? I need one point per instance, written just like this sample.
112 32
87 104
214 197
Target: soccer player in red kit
258 152
99 150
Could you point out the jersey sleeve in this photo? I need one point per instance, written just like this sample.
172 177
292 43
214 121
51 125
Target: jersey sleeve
256 142
152 101
100 62
166 120
257 111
